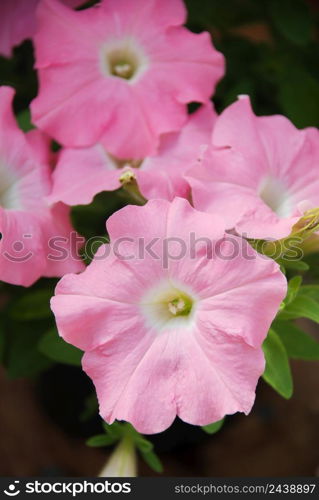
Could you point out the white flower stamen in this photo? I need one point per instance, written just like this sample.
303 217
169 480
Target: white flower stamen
176 306
123 70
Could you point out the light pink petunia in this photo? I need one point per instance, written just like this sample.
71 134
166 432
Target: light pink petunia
18 22
171 327
261 173
27 223
81 173
122 75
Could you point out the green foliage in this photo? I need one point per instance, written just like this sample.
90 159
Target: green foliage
311 291
152 461
297 94
301 307
142 444
34 304
298 344
25 316
90 408
213 428
295 265
21 355
118 431
100 440
293 289
292 19
114 430
277 372
56 349
89 220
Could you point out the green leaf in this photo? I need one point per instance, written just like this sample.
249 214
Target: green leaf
33 305
143 444
311 291
115 430
55 348
277 373
91 407
301 307
296 265
298 94
213 428
152 461
293 288
22 357
293 20
89 220
298 344
100 440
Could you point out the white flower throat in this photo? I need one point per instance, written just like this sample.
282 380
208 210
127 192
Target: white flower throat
123 59
169 306
9 193
275 195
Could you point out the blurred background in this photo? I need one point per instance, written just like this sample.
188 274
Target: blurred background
48 408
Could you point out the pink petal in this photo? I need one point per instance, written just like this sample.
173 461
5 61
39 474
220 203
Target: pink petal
62 243
22 260
227 367
149 383
82 173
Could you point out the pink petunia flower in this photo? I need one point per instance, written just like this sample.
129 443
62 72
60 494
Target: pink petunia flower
27 223
18 22
122 75
171 326
261 173
81 173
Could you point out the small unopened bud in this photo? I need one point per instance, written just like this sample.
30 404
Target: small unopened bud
130 186
122 462
127 177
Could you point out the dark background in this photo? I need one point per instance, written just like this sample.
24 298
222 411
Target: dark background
47 409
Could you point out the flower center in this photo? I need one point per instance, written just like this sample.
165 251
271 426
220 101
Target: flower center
122 63
180 306
168 306
276 196
123 59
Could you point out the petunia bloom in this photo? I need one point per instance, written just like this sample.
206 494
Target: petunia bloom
260 173
122 75
171 325
18 22
81 173
35 238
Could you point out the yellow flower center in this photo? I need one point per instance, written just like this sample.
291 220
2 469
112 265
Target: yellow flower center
122 63
180 306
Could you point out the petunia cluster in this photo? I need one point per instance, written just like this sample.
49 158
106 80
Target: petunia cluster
173 311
